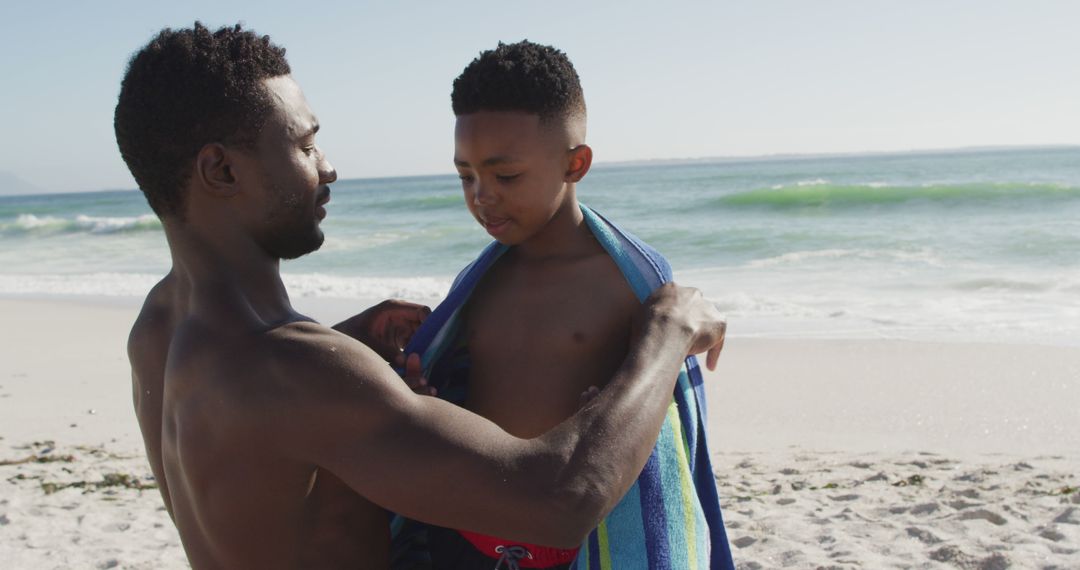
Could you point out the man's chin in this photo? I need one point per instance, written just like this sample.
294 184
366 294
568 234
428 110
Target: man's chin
300 248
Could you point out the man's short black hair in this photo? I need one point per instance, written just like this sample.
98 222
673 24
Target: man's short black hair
183 90
524 76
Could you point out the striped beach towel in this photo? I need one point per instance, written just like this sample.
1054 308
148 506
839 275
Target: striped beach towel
670 518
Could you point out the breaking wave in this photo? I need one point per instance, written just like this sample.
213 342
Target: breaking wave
819 194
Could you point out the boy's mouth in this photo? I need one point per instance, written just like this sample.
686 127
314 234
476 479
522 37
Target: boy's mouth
495 226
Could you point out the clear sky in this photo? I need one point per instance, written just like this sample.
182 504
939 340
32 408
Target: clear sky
661 79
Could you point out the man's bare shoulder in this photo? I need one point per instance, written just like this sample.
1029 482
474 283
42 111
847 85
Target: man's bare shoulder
153 322
300 365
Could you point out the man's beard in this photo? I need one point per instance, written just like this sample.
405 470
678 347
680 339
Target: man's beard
292 229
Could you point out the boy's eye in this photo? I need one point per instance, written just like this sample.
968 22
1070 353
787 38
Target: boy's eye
465 177
506 177
309 149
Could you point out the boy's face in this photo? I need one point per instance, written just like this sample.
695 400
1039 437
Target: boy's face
513 171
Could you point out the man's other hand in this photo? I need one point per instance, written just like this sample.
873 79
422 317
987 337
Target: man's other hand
687 305
386 328
414 377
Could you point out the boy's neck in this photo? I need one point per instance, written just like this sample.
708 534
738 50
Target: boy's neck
565 235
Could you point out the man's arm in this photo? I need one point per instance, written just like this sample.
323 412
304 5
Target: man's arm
433 461
386 328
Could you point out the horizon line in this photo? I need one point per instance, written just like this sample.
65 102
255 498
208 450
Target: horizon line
725 159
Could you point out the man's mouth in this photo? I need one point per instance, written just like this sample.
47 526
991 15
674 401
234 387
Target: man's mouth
324 197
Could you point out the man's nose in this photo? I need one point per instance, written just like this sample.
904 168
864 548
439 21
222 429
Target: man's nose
327 174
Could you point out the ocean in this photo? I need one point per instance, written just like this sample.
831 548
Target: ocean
943 246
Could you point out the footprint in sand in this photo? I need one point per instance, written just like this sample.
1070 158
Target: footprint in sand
971 477
983 514
1068 516
967 494
961 505
1052 535
744 541
924 536
951 554
996 561
925 509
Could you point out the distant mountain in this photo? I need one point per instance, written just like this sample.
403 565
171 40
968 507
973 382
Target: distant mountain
11 185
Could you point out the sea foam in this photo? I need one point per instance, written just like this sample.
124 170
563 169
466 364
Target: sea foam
80 223
419 289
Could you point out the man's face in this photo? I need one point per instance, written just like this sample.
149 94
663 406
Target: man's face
512 170
290 175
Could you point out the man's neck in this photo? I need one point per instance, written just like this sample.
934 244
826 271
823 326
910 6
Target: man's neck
227 276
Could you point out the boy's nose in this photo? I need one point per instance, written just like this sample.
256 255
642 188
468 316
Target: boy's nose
482 195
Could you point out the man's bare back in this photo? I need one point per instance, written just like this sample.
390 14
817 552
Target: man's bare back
208 424
541 332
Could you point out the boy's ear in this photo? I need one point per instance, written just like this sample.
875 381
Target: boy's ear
579 164
214 170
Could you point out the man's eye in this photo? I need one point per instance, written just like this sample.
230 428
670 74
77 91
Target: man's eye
309 149
465 178
506 177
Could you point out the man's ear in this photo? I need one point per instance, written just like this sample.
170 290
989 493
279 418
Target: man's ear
214 170
580 162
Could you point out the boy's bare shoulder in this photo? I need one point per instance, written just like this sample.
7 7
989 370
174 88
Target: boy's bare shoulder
605 274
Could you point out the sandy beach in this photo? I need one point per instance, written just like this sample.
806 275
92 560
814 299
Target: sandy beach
828 453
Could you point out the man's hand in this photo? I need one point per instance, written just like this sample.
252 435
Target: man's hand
386 328
587 396
701 317
414 377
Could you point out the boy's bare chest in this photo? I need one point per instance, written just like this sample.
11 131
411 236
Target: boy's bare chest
551 313
538 339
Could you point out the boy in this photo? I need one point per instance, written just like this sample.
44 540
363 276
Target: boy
545 313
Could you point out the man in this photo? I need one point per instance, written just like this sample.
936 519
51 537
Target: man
277 442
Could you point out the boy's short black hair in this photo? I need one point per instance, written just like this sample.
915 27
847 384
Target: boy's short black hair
183 90
524 76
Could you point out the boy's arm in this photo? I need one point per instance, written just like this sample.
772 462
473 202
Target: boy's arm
435 462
